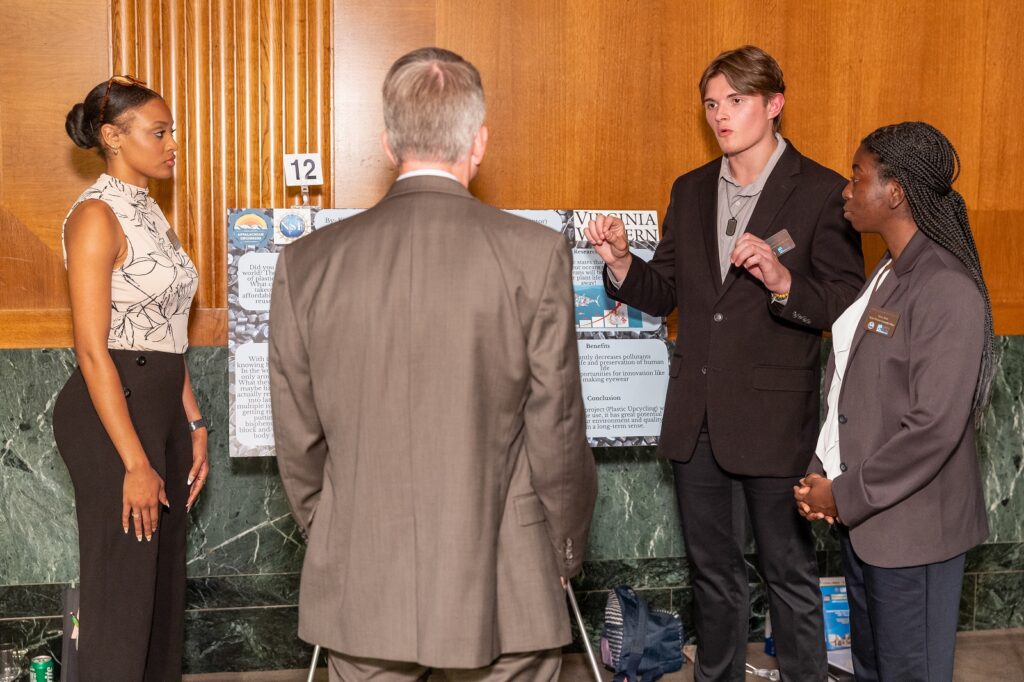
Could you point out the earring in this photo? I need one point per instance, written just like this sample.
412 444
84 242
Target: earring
116 150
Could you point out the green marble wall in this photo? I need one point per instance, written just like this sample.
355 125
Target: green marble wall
244 551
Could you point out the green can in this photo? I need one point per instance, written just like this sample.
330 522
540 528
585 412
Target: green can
42 669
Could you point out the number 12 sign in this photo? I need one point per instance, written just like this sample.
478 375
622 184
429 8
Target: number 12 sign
303 169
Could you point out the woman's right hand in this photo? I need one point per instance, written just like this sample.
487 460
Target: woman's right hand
143 494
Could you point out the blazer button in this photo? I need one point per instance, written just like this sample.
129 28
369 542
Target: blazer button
141 360
704 369
842 466
842 419
127 392
718 317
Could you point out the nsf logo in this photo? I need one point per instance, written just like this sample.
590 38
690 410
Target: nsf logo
292 226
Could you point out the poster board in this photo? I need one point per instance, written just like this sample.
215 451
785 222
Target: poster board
624 355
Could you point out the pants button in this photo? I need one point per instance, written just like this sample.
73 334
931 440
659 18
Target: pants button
141 360
127 392
704 369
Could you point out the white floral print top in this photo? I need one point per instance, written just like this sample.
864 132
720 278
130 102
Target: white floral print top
151 292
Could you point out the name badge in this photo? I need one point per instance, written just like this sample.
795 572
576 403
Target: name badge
881 321
173 238
780 242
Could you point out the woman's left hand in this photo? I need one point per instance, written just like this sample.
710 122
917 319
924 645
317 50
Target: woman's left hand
200 467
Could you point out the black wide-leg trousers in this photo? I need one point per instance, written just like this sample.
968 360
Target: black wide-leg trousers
714 506
132 593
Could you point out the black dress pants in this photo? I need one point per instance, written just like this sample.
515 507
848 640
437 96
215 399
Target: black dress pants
713 506
132 593
903 620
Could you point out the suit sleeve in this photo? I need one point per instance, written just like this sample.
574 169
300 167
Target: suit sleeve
946 327
299 439
651 287
817 298
561 465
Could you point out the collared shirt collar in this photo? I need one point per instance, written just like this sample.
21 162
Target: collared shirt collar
427 171
755 187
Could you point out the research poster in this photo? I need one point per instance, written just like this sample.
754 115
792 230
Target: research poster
624 354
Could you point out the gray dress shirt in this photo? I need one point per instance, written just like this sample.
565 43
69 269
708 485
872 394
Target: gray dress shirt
735 201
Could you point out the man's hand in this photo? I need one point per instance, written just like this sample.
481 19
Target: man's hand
756 256
814 499
607 235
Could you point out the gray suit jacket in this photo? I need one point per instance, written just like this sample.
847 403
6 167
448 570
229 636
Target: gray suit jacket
429 428
910 490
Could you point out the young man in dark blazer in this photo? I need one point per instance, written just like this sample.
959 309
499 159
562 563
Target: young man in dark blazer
758 259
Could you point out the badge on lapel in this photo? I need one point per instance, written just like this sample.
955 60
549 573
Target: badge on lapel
881 321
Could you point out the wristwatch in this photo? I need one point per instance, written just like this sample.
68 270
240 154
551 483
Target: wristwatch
197 424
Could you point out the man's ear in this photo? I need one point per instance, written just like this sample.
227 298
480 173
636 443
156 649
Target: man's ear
479 147
774 104
387 149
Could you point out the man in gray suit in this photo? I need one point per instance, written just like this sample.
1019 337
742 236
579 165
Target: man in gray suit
428 417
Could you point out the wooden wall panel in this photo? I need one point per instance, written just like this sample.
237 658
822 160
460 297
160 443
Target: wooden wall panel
594 102
50 56
247 82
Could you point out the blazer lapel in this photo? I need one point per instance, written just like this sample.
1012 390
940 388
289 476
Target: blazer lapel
776 191
878 299
899 271
708 199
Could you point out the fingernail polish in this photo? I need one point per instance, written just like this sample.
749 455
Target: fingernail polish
126 531
149 538
190 480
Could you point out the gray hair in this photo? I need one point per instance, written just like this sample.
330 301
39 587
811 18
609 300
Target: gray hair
433 106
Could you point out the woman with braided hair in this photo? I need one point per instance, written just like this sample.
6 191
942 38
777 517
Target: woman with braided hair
908 378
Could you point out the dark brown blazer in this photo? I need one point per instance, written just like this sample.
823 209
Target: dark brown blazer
429 428
753 367
910 490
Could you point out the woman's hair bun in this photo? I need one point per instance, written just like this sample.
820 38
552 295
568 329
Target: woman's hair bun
79 128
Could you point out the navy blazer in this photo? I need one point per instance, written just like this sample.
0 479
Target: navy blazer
753 367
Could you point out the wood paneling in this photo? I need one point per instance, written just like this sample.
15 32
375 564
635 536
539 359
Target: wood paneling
594 103
591 103
50 56
247 82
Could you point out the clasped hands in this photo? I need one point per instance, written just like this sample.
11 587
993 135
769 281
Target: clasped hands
814 498
607 234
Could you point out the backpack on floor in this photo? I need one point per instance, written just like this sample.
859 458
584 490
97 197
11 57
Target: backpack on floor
638 643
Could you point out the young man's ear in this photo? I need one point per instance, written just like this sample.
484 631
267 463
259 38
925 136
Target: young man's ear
774 104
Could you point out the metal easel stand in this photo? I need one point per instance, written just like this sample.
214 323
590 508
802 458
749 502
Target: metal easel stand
312 665
583 631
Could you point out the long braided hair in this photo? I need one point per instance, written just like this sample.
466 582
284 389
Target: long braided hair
925 164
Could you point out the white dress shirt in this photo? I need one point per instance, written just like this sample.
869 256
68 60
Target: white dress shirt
843 331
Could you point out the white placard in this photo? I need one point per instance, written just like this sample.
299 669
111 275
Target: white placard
303 169
624 384
255 279
326 216
254 426
547 218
